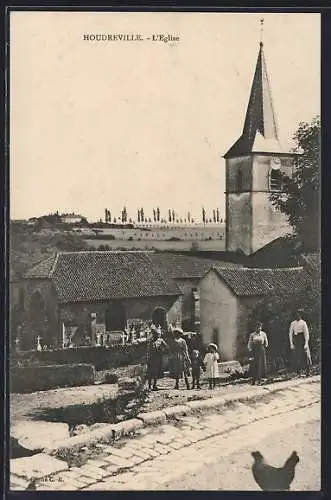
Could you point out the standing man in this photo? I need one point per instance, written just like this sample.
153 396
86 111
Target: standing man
299 343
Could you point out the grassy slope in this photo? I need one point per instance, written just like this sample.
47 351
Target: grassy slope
28 247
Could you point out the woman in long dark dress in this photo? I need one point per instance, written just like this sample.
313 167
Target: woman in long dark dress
181 362
156 348
257 344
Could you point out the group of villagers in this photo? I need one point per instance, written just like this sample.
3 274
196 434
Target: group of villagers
184 363
191 361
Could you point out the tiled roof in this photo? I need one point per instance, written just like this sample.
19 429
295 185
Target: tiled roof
184 266
43 269
260 282
281 252
92 276
312 262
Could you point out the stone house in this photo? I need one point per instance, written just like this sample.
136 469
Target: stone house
227 297
187 271
95 288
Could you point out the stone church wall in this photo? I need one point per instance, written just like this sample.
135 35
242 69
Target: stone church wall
239 222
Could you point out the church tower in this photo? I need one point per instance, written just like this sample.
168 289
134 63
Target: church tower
255 166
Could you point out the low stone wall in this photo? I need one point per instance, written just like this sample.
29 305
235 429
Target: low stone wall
103 358
39 378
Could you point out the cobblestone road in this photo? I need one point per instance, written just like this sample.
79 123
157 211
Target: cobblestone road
158 457
229 467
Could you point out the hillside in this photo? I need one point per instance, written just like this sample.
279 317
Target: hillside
27 247
30 244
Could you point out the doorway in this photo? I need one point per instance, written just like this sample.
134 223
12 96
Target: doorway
115 317
159 317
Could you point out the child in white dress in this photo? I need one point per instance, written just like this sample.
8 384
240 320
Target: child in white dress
211 363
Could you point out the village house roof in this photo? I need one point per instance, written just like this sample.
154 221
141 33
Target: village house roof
312 262
261 282
283 251
185 266
96 276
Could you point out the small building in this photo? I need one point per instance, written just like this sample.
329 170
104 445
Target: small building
72 218
281 252
187 271
104 289
32 221
228 296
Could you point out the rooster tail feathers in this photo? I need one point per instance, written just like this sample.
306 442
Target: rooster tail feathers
293 458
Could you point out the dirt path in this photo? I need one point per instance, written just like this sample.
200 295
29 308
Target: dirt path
168 396
24 406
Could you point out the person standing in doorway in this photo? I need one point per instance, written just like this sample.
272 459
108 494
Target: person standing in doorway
257 344
299 344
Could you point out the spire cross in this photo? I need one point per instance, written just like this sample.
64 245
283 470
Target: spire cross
261 30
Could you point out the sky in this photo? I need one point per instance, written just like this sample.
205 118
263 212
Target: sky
97 125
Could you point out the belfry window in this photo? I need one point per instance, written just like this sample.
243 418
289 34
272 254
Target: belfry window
276 180
239 181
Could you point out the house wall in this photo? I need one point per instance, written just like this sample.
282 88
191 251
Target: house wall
244 326
16 313
218 315
79 314
30 330
174 314
186 286
14 293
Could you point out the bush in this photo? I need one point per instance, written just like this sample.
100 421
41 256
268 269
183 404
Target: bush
195 246
41 378
104 247
276 313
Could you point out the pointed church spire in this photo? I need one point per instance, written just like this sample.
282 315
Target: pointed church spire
260 132
261 30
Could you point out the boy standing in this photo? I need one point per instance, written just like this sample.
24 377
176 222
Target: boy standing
197 364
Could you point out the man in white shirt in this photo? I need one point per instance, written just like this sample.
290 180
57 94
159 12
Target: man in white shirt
299 344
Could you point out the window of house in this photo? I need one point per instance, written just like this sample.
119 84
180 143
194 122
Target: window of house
276 181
